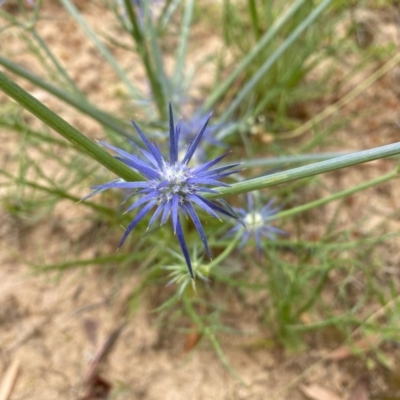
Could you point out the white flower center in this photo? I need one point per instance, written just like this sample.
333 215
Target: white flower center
253 221
175 176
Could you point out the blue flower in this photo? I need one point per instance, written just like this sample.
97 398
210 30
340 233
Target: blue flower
255 221
171 187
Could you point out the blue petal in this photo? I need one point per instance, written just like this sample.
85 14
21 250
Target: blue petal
140 166
258 241
116 149
267 234
245 238
148 197
218 170
136 220
162 184
218 208
228 208
129 159
182 243
198 226
270 228
121 185
209 164
233 230
200 201
156 214
167 209
175 210
173 145
269 210
242 213
88 196
207 190
100 188
193 146
178 129
152 148
150 157
219 176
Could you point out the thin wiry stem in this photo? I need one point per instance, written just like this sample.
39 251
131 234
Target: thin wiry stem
307 170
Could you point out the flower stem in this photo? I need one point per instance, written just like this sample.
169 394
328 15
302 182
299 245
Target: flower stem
70 7
270 61
307 171
66 130
255 24
247 60
228 250
336 196
139 39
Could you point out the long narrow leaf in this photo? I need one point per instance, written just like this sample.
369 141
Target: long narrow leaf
274 58
83 106
220 90
307 170
65 129
183 40
102 49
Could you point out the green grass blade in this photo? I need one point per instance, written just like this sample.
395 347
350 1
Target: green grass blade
56 192
255 24
83 106
291 159
183 41
308 170
140 40
134 93
338 195
220 90
160 75
274 58
60 69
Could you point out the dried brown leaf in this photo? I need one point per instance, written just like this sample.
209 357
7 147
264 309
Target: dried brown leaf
9 379
97 389
317 392
191 340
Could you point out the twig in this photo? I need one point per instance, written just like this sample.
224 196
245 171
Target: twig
8 382
102 354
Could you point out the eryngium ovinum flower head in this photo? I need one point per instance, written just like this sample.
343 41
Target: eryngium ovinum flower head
171 187
256 221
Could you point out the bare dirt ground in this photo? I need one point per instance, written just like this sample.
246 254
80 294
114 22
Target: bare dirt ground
51 327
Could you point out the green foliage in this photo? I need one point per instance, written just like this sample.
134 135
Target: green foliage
271 51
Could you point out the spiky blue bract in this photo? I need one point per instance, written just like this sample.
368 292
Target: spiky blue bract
191 126
256 221
189 130
171 187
